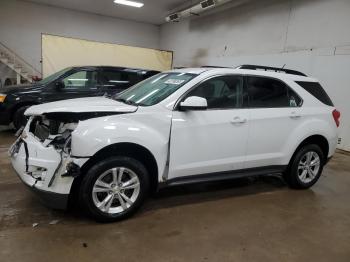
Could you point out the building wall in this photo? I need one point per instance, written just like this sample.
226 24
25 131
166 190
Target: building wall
312 36
21 25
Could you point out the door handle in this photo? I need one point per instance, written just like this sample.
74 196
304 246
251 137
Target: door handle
238 120
295 115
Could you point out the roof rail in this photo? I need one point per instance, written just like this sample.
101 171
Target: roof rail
274 69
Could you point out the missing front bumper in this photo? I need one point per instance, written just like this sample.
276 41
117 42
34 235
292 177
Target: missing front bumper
44 169
49 199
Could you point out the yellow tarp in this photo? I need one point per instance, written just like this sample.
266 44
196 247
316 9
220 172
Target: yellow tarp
61 52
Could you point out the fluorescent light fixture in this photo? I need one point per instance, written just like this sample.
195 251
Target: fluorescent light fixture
129 3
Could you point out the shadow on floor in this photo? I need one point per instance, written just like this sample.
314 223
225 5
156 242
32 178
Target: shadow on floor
212 191
188 195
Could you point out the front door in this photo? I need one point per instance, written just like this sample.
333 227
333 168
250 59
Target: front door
78 83
211 140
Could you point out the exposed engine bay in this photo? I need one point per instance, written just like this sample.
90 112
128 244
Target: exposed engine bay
43 154
56 128
53 130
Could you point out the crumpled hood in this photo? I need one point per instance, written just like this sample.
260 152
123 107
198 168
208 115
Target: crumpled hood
82 105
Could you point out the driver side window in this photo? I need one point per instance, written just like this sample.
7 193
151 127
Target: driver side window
221 92
81 80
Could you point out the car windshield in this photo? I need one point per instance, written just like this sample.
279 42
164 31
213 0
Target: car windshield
155 89
54 76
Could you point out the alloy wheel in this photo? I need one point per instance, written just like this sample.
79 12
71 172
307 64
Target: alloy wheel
116 190
308 166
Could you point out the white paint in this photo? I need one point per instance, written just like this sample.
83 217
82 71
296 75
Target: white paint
202 141
22 23
307 35
85 104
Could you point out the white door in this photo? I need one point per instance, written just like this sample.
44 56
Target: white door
274 115
211 140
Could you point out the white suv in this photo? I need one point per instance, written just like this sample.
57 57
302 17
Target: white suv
181 126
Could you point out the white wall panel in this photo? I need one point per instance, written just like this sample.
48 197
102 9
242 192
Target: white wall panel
22 23
308 35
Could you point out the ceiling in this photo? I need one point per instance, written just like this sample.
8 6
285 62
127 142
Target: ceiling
154 11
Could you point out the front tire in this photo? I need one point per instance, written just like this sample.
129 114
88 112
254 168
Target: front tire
114 189
305 167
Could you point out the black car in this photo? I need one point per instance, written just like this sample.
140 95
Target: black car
72 82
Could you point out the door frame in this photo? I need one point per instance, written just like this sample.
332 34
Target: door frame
176 108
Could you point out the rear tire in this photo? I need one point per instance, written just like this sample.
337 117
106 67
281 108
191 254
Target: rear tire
114 189
19 119
305 167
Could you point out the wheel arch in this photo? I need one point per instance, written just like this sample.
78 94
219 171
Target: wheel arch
319 140
136 151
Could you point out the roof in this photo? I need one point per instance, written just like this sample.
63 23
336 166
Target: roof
220 70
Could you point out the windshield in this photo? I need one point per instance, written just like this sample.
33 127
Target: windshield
155 89
54 76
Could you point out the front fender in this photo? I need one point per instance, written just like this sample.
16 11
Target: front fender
148 130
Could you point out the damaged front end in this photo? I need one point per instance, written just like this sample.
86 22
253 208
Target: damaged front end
42 154
42 157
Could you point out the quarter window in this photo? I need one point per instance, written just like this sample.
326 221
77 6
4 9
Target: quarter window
221 92
269 93
317 91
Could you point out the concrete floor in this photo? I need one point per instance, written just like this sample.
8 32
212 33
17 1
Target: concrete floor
241 220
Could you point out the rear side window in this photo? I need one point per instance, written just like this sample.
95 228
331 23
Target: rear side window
317 91
264 92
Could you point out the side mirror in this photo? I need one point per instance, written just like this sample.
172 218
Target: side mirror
59 85
194 103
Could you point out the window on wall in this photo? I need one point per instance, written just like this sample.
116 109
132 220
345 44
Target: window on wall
221 92
82 79
269 93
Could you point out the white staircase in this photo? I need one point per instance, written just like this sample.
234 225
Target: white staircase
17 64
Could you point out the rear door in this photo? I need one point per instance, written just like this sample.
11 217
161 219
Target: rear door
275 113
211 140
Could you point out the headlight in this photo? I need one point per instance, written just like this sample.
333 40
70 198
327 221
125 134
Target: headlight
2 98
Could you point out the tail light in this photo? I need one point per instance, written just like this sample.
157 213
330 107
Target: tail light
336 116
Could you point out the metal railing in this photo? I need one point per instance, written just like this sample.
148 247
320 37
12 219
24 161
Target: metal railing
18 62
